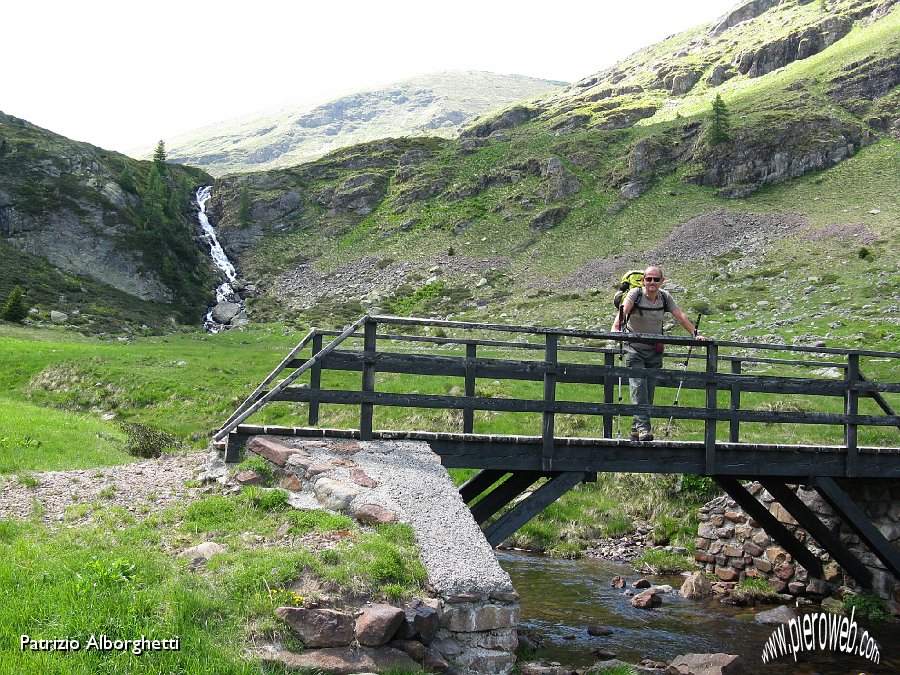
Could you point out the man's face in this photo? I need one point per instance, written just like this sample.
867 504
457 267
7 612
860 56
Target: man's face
652 278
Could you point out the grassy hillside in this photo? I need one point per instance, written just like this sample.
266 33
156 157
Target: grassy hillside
563 193
439 104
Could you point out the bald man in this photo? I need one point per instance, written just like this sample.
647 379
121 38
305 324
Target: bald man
644 310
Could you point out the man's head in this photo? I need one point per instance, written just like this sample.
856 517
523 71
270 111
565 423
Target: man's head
653 277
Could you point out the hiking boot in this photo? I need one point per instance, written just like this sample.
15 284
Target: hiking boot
635 434
645 436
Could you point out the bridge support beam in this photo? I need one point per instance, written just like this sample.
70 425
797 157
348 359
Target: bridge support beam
532 505
810 522
854 516
503 494
478 483
770 524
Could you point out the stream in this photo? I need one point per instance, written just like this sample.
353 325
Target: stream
561 598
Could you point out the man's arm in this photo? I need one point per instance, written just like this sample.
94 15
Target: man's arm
626 308
681 317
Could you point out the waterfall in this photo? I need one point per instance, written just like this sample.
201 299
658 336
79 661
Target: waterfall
229 308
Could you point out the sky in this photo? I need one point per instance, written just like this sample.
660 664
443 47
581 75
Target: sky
123 75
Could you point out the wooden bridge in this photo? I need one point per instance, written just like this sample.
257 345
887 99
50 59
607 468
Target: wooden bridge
838 401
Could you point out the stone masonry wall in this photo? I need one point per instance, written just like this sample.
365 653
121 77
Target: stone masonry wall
402 481
732 545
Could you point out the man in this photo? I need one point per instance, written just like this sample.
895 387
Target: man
644 309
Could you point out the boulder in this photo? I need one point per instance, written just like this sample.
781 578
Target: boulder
412 648
707 664
647 599
319 627
774 617
696 586
377 624
225 311
549 218
58 317
345 660
206 550
362 479
334 494
372 514
276 452
598 631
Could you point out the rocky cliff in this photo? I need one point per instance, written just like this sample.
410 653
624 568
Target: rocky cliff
82 210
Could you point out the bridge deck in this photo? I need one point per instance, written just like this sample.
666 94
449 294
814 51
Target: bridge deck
525 453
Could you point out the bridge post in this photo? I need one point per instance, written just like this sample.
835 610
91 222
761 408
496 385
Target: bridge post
368 379
609 383
469 413
547 423
315 380
712 367
851 407
734 428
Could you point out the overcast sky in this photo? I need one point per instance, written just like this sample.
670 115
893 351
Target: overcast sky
124 74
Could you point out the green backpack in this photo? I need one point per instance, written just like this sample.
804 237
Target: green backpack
631 279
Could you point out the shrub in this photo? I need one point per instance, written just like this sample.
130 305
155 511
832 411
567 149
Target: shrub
871 606
144 441
266 500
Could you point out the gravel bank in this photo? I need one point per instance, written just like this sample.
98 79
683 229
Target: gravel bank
138 488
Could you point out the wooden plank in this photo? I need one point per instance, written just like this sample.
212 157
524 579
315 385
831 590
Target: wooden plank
576 373
469 413
609 335
879 399
609 384
547 418
234 420
501 452
478 483
770 524
315 381
709 434
251 399
366 409
506 525
301 395
503 494
854 516
810 522
851 407
734 428
235 443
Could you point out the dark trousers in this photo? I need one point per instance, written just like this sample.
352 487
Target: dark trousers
642 389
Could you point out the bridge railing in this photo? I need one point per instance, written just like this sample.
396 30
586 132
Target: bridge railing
842 381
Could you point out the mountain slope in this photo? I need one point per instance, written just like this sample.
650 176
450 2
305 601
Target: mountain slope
82 233
436 105
558 194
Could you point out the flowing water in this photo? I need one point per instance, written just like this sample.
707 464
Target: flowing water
225 291
561 598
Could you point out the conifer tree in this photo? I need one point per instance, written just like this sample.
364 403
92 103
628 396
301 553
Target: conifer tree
159 158
14 309
719 126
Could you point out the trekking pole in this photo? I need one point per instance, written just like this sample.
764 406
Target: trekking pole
621 357
687 361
